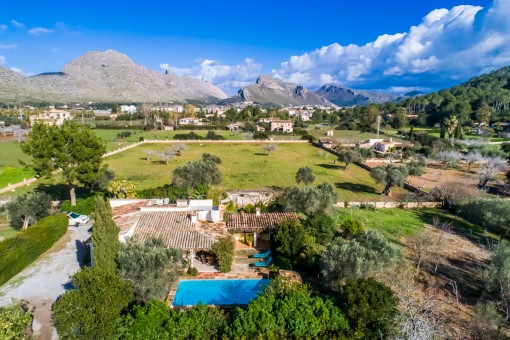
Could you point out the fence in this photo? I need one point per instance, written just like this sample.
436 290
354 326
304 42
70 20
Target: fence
382 205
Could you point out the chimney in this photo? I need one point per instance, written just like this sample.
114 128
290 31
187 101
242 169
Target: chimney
257 211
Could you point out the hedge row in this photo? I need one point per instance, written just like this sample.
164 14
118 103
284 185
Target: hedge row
19 252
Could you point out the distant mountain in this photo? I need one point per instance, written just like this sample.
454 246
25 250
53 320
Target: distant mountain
269 90
344 96
105 76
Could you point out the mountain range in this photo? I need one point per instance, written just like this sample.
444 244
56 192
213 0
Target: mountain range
110 76
107 76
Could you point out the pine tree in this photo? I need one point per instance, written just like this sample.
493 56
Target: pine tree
105 237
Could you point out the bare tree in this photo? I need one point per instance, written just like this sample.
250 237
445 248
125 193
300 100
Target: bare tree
178 148
150 153
488 168
448 158
269 148
472 158
167 155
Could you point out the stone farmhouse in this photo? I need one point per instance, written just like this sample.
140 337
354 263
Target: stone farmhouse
51 117
281 125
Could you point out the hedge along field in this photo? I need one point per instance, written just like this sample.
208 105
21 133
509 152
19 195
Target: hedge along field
20 251
248 166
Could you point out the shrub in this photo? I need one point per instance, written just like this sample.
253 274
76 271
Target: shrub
211 135
211 158
192 271
83 206
224 251
15 321
20 251
352 227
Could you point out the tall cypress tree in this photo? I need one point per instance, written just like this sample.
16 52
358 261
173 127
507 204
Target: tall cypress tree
442 133
458 132
105 236
411 132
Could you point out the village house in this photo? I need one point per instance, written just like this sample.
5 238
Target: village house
51 117
259 224
387 145
190 121
128 109
327 142
281 125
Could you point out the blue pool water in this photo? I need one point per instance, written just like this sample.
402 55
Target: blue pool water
217 292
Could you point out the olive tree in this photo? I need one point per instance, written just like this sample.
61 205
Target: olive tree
488 169
26 209
269 148
150 267
348 156
305 175
363 256
390 176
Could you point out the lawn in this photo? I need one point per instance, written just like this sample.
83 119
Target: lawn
11 154
14 175
248 166
398 223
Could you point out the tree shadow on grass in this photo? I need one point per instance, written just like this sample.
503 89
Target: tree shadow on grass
60 192
356 187
260 154
331 166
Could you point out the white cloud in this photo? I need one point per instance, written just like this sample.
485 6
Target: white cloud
228 78
447 44
15 69
17 24
2 60
8 47
3 27
38 31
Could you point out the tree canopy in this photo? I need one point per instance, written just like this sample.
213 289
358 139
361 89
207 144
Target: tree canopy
305 175
105 236
361 257
390 176
72 149
26 209
310 200
196 173
150 267
91 310
288 310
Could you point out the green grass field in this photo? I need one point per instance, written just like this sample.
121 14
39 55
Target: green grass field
11 154
13 175
248 166
397 223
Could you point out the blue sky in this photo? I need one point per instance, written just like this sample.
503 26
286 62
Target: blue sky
362 44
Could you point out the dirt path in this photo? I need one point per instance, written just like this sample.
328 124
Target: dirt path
47 278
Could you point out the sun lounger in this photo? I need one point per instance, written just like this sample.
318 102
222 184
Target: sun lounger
262 255
263 263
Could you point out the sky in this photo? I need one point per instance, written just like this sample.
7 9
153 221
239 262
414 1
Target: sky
395 45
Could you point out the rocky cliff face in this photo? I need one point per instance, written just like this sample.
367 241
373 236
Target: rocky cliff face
105 76
343 96
272 91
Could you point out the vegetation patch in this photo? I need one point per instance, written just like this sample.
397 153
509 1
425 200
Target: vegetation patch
14 175
20 251
248 166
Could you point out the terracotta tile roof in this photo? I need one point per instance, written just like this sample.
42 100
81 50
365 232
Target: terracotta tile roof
175 228
252 222
125 216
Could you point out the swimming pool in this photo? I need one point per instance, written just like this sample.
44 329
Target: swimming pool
217 292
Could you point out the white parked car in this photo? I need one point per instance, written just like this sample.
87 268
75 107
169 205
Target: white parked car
75 219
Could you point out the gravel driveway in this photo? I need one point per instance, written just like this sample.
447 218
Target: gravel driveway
43 282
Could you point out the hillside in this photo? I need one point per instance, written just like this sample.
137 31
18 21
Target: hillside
105 76
481 97
269 90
